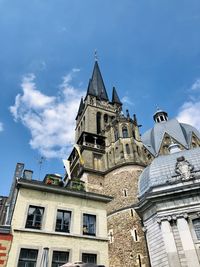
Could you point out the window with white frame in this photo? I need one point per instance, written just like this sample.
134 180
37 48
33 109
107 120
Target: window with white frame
63 221
89 224
27 258
59 258
196 225
34 217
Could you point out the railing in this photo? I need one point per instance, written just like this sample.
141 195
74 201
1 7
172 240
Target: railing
93 145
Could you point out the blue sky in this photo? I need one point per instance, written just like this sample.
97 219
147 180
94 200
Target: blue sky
150 50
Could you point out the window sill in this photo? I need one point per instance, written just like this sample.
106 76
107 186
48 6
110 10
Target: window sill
70 235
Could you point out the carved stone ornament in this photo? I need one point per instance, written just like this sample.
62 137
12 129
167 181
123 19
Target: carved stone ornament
184 168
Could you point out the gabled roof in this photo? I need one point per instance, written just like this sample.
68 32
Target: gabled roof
115 97
181 132
96 85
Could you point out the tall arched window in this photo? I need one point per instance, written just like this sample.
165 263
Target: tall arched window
128 149
124 132
105 118
116 134
83 123
98 119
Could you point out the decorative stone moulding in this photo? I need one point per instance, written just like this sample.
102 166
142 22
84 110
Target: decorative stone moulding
184 169
173 217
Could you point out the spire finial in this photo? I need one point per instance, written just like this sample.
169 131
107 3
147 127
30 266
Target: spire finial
95 55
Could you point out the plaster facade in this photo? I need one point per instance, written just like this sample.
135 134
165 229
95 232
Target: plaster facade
74 242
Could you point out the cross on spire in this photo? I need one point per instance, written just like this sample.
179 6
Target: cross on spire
95 55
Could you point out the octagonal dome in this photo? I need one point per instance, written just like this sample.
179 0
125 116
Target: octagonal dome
180 132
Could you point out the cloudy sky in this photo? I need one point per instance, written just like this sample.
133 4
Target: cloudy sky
148 50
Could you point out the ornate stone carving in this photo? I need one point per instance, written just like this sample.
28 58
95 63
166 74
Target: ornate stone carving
184 168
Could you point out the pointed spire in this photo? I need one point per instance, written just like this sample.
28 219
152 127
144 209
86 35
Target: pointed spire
96 85
81 107
115 97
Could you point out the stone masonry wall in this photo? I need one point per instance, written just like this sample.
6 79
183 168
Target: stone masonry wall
127 243
122 184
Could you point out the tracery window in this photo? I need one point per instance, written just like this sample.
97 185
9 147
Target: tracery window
116 134
124 132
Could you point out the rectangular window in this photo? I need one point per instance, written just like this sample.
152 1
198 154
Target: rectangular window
196 224
34 218
89 258
28 258
89 224
59 258
63 221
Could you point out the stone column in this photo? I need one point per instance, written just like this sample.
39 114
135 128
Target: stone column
187 242
170 245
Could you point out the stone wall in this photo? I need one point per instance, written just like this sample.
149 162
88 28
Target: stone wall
127 242
122 184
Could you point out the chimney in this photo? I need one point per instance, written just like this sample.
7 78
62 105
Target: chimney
28 174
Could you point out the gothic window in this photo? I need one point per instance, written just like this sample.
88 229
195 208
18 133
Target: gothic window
98 120
97 162
128 149
34 218
196 224
105 118
84 123
124 132
63 221
116 134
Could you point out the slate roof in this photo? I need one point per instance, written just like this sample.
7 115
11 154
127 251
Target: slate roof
96 85
115 97
181 132
81 108
163 167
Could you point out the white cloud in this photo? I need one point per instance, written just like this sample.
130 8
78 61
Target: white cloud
1 127
189 112
50 119
126 100
196 85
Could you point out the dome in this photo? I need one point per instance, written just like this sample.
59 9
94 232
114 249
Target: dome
163 167
181 132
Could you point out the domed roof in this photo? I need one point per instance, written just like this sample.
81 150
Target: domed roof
163 168
181 132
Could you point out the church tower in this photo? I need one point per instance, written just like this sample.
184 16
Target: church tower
114 157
